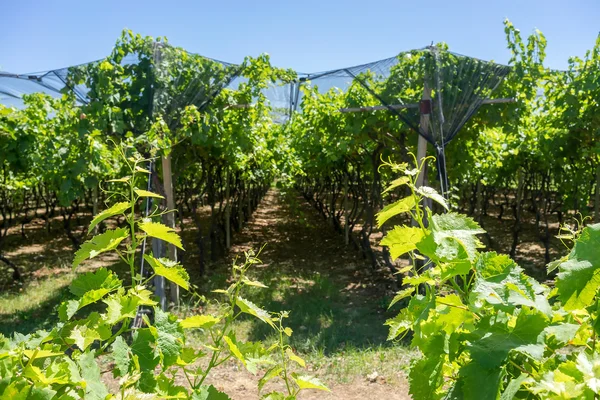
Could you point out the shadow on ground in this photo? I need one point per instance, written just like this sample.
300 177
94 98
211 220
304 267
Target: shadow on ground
334 298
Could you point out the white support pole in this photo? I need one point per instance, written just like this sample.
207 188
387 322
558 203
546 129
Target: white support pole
170 219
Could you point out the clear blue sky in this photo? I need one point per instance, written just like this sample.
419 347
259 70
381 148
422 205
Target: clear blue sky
308 36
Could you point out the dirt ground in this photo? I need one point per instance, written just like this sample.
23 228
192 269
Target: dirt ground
297 239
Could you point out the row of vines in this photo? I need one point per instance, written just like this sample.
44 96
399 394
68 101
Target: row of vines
533 159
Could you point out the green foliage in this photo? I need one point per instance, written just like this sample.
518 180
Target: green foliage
485 329
64 362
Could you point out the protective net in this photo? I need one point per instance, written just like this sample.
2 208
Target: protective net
430 90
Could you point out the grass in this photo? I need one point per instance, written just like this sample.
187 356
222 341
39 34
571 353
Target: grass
340 334
34 307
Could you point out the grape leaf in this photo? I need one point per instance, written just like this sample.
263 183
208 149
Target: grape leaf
121 355
198 321
309 382
90 372
143 346
115 209
106 241
432 194
270 374
292 356
84 336
578 279
162 232
426 376
452 230
99 279
169 336
248 307
145 193
234 349
174 273
403 180
402 239
480 383
391 210
209 393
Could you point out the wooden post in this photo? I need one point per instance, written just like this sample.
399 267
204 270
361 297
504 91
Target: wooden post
346 212
422 144
95 206
170 219
227 212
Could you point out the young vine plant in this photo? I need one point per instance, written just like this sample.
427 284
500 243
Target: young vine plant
158 359
484 328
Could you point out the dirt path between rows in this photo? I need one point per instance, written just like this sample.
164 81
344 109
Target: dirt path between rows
325 278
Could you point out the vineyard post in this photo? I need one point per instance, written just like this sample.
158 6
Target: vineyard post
170 218
425 110
346 214
95 206
227 211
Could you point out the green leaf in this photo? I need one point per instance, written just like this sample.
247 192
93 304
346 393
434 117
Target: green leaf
162 232
109 240
403 180
169 336
67 309
209 393
83 336
198 321
578 279
234 349
295 358
270 374
309 382
480 383
402 239
451 313
90 372
562 333
121 355
402 294
399 324
115 209
432 194
502 283
120 307
143 347
99 279
248 307
254 283
495 342
577 283
145 193
397 208
451 231
175 273
513 387
426 377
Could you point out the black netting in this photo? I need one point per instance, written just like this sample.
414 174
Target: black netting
430 90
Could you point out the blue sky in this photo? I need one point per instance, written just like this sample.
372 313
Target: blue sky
308 36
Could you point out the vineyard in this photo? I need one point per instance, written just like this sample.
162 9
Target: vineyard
427 224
